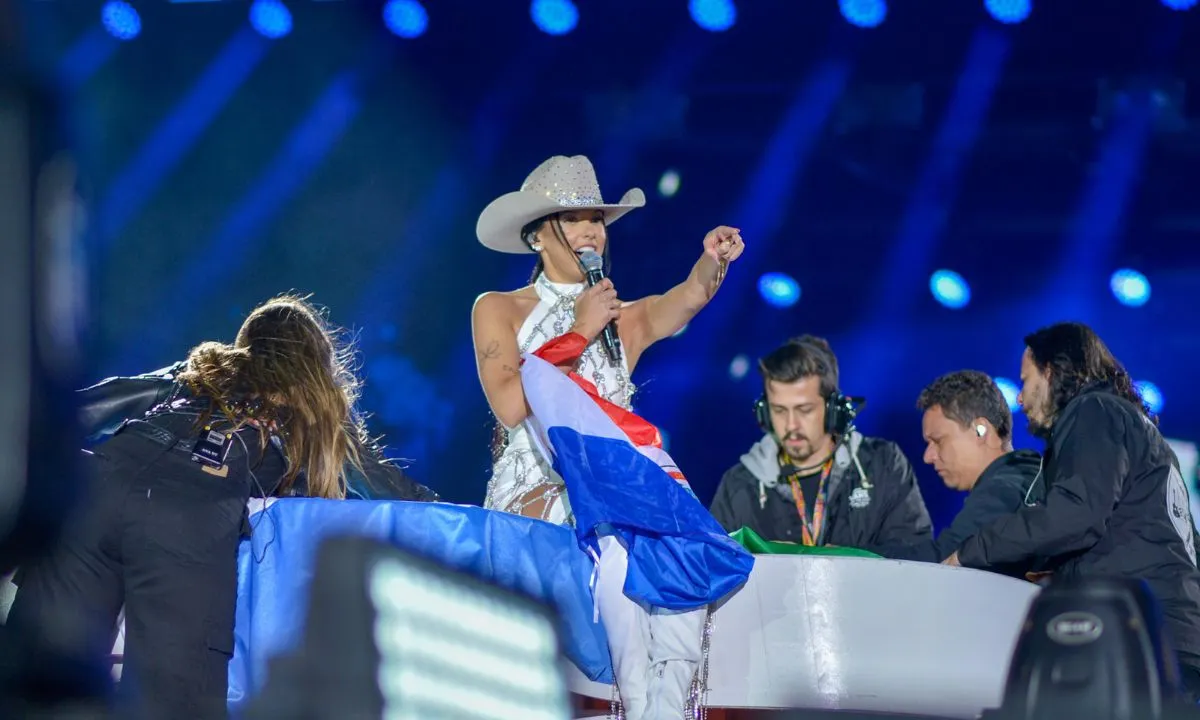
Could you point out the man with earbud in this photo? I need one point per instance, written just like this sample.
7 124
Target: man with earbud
813 479
1111 500
967 428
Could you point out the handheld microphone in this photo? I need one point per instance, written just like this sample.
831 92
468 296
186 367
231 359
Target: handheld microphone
593 266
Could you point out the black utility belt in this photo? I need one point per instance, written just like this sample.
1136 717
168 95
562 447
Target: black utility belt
210 448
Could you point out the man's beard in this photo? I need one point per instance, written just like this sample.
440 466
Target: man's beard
806 451
1040 431
802 458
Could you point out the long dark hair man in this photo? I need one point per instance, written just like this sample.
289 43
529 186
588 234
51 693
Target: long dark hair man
272 414
1111 499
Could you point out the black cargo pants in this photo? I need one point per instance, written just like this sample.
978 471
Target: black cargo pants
158 534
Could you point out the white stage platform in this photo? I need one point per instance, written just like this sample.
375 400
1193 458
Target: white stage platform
861 634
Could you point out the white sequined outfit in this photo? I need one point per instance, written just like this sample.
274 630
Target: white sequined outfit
655 653
521 470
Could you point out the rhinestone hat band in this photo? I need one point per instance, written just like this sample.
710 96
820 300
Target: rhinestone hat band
567 182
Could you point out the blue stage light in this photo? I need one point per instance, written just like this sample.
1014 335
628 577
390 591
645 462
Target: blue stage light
864 13
1180 4
1010 391
713 15
1151 395
121 20
949 288
270 18
405 18
1008 11
1130 287
739 366
778 289
554 17
668 184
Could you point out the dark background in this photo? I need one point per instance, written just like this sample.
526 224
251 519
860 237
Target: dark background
1034 159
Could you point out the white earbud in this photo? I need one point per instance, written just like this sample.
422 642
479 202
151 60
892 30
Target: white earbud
980 430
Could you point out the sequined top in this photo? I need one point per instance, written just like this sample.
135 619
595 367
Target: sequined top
521 470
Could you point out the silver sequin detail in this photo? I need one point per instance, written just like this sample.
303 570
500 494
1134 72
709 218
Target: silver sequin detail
521 470
697 704
569 182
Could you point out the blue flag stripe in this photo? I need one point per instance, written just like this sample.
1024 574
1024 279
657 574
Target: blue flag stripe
680 558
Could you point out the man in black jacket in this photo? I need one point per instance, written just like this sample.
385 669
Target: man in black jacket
1115 503
813 479
967 428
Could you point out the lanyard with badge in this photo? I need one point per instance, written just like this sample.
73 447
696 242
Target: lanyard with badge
810 531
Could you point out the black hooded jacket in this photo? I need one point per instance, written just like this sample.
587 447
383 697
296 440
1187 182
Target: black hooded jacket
1115 504
1000 490
885 507
103 407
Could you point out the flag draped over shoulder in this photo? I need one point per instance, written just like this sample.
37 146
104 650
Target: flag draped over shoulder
619 480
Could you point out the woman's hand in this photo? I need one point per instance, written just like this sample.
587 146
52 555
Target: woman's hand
952 561
595 308
724 244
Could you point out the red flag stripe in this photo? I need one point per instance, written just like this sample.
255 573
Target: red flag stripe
566 349
639 431
563 350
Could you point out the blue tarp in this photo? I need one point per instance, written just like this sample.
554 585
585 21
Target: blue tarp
275 568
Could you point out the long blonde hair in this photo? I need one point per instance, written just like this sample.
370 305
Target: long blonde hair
286 370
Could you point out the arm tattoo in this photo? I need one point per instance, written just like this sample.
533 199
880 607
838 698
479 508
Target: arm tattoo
491 352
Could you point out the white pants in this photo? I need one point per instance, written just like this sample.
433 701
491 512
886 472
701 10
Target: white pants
655 652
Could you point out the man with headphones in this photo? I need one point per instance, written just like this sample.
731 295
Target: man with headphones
813 479
967 428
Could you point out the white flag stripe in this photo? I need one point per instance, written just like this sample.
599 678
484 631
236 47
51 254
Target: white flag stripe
659 456
557 401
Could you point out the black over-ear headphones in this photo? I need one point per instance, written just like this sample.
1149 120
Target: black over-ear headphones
840 411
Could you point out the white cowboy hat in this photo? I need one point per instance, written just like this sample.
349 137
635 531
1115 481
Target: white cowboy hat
557 185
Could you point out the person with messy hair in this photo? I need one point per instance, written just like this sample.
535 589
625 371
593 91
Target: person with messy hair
272 414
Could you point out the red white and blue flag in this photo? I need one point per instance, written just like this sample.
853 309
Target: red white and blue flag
620 481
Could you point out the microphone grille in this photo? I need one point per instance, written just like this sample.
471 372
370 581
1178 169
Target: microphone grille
591 260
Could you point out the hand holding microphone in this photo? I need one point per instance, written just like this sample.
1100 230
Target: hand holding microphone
598 306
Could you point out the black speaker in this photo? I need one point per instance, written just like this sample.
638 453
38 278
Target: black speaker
1094 648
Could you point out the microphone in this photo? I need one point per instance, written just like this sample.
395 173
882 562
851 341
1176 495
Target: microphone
593 265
